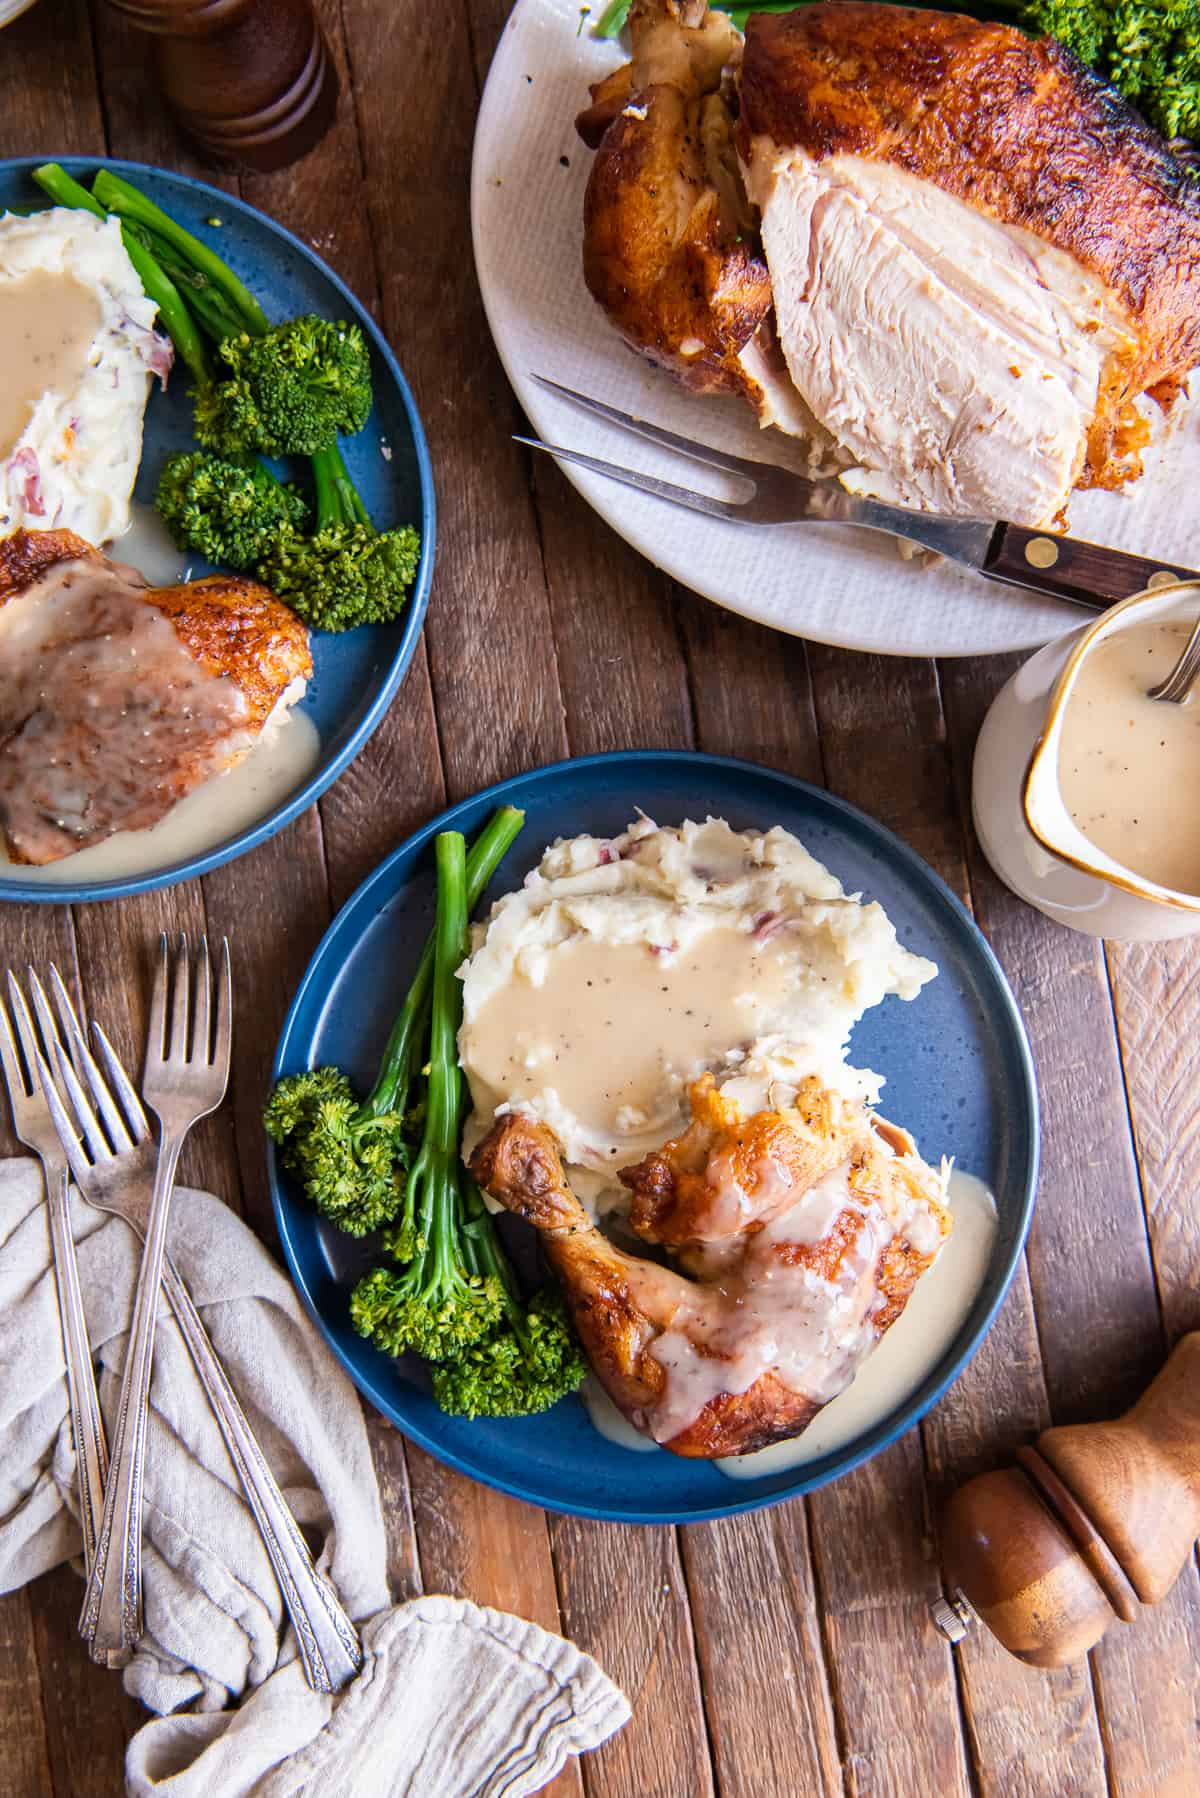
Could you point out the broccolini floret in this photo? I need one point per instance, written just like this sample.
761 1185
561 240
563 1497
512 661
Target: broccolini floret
350 1161
530 1359
289 391
343 575
226 512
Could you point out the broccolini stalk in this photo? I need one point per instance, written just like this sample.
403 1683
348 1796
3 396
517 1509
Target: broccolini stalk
436 1305
402 1055
128 202
346 1155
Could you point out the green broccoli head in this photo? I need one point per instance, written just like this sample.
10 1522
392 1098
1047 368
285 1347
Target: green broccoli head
1150 52
290 392
344 575
419 1310
519 1369
350 1165
1081 29
225 511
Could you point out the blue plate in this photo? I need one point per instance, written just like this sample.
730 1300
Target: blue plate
356 675
958 1068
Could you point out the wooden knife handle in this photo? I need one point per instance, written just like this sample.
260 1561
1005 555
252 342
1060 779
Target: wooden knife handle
1068 569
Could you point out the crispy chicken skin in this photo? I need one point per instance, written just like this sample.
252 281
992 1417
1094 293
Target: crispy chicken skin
624 1306
95 738
1017 129
669 247
229 624
707 1185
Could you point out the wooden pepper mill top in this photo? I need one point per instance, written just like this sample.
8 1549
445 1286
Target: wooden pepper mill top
250 82
1094 1522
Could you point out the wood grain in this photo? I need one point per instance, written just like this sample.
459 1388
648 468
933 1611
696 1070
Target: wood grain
758 1632
478 1544
886 747
1156 987
1089 1260
624 1599
789 1650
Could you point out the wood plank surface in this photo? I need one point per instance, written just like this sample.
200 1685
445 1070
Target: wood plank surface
787 1652
1093 1281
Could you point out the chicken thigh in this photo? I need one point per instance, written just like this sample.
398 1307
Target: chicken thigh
806 1229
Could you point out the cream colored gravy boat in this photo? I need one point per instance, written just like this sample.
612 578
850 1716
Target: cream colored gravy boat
1022 823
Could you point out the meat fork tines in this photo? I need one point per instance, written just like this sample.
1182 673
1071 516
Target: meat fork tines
771 494
34 1126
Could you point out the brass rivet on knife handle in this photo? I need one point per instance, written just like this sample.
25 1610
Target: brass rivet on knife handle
1088 574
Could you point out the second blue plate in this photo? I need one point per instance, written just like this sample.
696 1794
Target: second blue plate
958 1070
356 675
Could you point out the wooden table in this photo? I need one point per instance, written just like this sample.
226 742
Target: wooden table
786 1653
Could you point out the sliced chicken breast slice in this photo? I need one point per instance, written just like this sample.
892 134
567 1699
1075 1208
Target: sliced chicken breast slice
957 359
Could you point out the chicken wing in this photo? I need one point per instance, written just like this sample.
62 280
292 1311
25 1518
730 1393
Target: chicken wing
117 699
809 1229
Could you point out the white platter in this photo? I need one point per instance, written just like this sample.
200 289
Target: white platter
835 585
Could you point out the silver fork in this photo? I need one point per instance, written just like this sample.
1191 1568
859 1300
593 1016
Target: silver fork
34 1127
1086 574
185 1078
119 1180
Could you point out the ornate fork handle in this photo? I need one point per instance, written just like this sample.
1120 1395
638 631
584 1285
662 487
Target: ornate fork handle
111 1619
328 1641
91 1449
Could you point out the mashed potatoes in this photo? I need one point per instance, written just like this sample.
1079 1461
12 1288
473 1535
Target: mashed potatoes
625 967
77 358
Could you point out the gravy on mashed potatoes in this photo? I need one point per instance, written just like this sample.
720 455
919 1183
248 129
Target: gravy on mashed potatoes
78 353
625 967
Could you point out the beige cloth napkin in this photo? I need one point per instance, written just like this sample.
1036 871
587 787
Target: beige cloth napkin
453 1701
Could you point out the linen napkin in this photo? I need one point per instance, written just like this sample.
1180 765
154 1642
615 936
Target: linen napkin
454 1701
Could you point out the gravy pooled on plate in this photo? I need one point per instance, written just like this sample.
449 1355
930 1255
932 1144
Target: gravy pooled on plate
1128 765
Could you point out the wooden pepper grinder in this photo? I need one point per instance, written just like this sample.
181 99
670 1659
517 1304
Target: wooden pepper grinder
251 82
1095 1521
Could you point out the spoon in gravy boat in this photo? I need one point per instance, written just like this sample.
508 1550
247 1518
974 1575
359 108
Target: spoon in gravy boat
1181 679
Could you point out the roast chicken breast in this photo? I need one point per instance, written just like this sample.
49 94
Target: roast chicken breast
980 256
117 699
806 1231
971 259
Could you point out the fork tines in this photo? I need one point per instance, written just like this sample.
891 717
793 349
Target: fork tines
181 1027
22 1069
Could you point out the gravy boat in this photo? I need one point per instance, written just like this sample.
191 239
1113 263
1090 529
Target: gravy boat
1024 827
